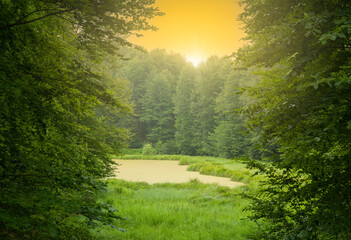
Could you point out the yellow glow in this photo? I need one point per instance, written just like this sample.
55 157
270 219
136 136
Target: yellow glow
195 60
198 28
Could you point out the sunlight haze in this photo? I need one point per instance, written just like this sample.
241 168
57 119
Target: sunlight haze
194 59
196 29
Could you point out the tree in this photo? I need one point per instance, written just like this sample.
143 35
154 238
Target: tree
54 141
303 108
137 72
185 118
158 109
228 137
210 80
144 71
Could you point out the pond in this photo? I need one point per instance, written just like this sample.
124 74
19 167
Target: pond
164 171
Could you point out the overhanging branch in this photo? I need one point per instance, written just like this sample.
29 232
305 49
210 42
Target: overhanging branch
18 23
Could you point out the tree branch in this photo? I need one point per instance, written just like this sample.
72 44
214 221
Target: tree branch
33 20
42 10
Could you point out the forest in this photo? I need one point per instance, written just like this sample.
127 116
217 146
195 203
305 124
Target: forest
74 93
180 109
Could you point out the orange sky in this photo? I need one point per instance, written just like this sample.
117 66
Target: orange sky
195 28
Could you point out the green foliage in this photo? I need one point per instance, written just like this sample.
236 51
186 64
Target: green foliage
185 118
180 109
210 80
177 211
169 147
152 78
56 111
303 112
130 151
228 139
148 150
158 109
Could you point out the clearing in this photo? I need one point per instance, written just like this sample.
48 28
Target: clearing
164 171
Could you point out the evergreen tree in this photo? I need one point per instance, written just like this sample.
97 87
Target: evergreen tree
158 109
229 131
185 118
137 72
211 78
141 70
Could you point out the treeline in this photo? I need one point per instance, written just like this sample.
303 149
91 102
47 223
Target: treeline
180 109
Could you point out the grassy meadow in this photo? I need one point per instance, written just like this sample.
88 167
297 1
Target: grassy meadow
176 211
185 211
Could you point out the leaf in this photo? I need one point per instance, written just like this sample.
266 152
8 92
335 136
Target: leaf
332 36
348 125
341 35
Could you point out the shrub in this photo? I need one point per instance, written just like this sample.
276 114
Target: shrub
169 147
148 150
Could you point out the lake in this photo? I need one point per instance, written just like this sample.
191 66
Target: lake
164 171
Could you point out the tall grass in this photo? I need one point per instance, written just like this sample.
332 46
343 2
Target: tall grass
185 211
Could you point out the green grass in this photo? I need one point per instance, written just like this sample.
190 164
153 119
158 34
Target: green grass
182 211
176 212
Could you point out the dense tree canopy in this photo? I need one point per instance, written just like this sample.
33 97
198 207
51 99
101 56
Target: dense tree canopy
303 109
54 138
182 109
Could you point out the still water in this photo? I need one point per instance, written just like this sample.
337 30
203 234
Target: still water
164 171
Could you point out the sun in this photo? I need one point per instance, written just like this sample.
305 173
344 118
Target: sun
195 60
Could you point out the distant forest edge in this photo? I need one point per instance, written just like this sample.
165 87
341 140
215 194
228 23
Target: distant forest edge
180 109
